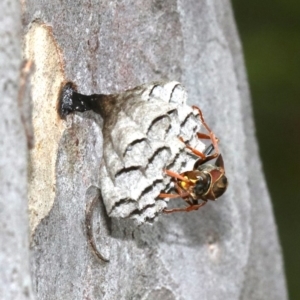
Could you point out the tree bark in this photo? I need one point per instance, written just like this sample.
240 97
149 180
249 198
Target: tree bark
15 282
227 250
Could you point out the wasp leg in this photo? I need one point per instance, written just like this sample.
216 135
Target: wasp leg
202 118
205 136
187 209
185 195
181 194
162 195
176 175
195 151
211 134
203 158
201 135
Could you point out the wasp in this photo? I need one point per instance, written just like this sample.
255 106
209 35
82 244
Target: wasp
206 181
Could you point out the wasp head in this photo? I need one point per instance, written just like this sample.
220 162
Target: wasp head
211 180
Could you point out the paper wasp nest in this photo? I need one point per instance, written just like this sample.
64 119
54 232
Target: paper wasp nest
141 138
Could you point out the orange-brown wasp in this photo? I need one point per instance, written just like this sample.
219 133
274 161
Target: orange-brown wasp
206 181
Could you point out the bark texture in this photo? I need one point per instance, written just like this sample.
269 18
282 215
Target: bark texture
227 250
14 229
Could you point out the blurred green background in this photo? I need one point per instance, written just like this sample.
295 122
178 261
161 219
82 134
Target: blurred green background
270 34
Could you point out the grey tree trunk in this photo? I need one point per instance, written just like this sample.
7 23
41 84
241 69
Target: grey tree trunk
15 280
227 250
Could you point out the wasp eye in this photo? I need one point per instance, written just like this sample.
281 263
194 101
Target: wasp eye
224 180
220 186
